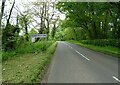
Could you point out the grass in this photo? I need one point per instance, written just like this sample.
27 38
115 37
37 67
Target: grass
28 67
25 48
114 51
0 56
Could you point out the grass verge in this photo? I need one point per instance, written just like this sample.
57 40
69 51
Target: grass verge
114 51
27 68
26 48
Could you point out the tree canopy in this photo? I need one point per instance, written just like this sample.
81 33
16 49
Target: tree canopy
95 20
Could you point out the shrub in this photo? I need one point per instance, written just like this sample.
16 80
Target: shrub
9 37
103 42
27 47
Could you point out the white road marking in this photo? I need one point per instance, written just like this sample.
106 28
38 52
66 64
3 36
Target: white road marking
116 78
68 45
82 55
71 47
89 59
78 52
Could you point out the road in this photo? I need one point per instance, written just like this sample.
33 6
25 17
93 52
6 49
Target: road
75 64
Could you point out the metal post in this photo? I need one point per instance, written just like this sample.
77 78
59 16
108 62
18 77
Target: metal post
33 46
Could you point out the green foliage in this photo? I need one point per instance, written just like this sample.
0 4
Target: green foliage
10 36
102 42
97 20
25 48
32 31
23 20
71 33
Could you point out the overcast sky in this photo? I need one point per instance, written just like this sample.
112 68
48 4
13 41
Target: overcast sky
19 4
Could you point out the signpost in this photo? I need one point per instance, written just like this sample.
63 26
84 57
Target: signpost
33 36
38 36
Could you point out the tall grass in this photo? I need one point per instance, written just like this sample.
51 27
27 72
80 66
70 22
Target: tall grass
27 47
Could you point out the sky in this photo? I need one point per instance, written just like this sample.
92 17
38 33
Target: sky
19 4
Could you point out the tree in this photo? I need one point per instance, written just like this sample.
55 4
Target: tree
2 11
10 13
10 32
24 20
44 14
10 36
94 18
32 31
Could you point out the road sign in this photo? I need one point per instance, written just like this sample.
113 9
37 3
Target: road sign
33 36
38 35
33 39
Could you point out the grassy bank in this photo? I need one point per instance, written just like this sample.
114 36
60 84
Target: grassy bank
26 48
28 67
114 51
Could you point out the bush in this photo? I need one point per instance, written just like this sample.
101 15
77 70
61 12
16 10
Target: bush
27 47
103 42
9 37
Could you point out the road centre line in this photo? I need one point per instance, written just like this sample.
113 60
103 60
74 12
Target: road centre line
68 45
78 52
82 55
89 59
116 78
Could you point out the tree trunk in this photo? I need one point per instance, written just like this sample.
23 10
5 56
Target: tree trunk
53 31
42 21
26 32
94 29
26 29
10 13
2 11
75 33
105 28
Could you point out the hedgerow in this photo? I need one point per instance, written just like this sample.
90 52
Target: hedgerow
103 42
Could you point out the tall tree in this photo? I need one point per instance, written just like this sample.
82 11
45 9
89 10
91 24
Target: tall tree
10 13
24 21
45 13
2 11
94 18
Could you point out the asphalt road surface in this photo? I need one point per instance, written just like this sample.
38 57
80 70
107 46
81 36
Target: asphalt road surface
75 64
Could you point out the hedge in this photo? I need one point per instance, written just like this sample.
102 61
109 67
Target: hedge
103 42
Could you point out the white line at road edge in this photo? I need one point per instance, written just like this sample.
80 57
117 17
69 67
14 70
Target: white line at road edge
116 78
78 52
